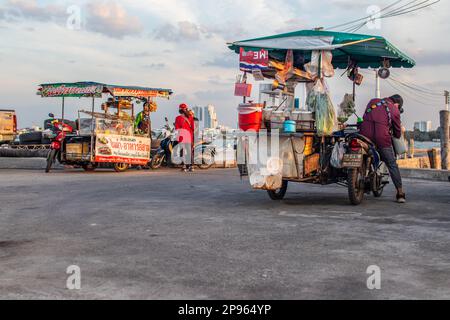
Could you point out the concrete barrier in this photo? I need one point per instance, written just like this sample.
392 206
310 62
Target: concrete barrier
426 174
27 164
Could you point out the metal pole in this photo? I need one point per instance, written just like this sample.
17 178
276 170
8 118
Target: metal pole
63 107
446 94
445 138
93 129
377 84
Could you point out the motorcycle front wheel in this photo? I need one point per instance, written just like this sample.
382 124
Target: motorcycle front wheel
157 161
51 158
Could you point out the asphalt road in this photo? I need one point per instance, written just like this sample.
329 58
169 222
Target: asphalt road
206 235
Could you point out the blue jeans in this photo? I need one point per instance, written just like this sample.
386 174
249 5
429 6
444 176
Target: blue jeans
389 158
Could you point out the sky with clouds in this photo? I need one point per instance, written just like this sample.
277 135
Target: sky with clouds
181 44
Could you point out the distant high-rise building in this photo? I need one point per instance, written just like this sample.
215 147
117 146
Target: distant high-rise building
423 126
210 117
198 112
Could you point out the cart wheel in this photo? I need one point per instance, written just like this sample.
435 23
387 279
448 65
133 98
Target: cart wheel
89 167
280 193
121 167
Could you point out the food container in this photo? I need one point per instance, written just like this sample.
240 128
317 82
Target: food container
250 116
290 126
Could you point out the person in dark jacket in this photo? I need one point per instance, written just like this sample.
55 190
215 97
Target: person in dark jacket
382 121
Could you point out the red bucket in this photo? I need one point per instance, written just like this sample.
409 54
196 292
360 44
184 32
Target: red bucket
250 117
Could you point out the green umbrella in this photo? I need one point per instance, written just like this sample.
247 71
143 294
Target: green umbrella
366 50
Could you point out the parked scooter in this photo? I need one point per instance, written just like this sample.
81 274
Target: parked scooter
164 152
204 152
56 134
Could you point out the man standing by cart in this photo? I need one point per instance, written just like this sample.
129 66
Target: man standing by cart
185 126
382 122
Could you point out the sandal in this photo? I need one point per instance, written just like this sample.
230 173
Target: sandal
401 198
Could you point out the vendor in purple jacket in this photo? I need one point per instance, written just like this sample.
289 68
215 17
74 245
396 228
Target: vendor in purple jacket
382 122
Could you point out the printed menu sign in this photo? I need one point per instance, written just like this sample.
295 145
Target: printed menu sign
122 149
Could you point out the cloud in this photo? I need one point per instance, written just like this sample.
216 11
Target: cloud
111 19
155 66
217 80
184 30
143 54
293 24
433 58
213 95
228 61
31 10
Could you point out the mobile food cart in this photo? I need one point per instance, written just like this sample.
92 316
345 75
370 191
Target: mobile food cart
108 137
285 142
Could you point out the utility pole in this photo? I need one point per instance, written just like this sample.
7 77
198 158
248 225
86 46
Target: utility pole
445 133
377 85
446 94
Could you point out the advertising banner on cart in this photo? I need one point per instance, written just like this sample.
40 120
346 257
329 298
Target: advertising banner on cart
122 149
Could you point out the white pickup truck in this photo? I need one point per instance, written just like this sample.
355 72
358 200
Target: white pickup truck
8 126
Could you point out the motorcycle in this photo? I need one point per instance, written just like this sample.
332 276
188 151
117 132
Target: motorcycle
204 153
163 153
366 172
56 134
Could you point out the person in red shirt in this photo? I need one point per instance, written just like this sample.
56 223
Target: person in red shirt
185 126
382 121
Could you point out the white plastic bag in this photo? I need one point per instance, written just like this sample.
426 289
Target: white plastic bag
338 155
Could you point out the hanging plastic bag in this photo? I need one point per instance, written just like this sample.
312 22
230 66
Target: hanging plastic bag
327 65
337 156
319 101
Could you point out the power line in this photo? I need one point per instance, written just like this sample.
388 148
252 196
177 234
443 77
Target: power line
417 87
411 6
408 8
360 19
407 94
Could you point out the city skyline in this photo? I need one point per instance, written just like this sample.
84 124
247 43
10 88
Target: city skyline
157 44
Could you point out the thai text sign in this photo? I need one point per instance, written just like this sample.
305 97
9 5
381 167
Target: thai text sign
122 149
125 92
70 90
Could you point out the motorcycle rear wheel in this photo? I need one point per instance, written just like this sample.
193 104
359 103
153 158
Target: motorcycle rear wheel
207 160
356 185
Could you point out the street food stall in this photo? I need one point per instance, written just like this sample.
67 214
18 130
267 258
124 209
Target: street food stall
287 141
108 136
